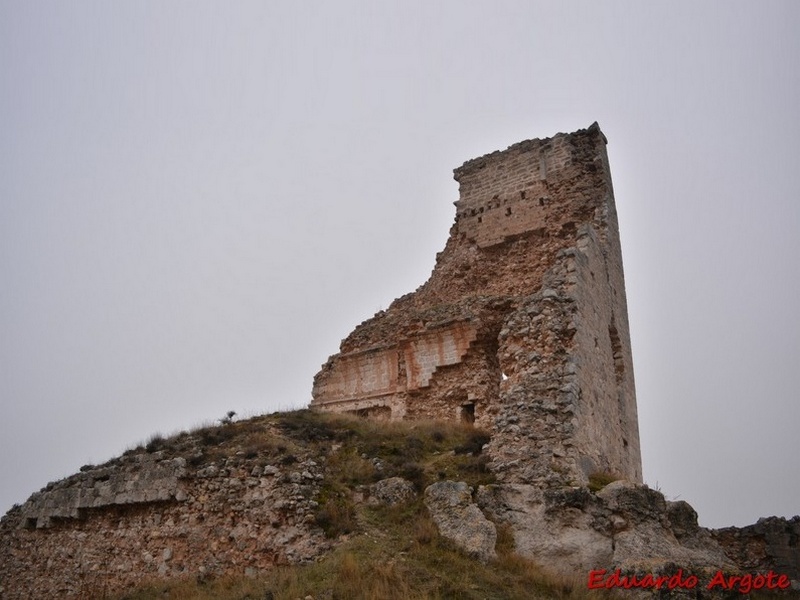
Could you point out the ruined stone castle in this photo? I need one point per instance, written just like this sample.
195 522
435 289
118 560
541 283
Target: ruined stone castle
522 327
521 330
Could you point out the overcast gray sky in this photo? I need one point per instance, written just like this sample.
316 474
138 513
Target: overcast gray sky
198 200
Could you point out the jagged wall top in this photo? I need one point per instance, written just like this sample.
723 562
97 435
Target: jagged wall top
473 164
522 326
507 193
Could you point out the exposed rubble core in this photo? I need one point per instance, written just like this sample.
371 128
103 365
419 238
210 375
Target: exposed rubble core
183 510
522 327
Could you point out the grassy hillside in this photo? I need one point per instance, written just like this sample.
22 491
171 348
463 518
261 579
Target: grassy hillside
383 552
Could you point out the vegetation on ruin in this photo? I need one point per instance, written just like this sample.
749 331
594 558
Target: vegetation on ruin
600 479
402 559
384 552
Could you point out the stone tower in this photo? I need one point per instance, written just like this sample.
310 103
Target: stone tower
522 327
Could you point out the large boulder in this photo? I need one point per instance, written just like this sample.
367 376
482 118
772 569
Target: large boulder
460 520
557 529
625 526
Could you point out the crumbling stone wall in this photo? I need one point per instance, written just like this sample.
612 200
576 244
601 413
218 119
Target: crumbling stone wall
770 543
156 516
522 327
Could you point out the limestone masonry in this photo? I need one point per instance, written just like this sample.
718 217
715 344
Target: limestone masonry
522 327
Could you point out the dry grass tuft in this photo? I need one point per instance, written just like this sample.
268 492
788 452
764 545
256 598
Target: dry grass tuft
600 479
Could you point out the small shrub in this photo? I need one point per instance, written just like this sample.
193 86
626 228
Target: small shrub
155 443
306 426
425 530
415 447
474 443
336 517
288 459
352 469
600 479
214 436
414 473
195 460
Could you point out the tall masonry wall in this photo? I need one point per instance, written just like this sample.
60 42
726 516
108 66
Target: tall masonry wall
522 326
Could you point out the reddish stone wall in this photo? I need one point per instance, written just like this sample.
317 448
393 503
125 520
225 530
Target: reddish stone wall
429 351
384 377
364 374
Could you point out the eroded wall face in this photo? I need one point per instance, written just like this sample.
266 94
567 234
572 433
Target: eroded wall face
384 377
147 516
364 375
511 196
432 350
522 325
607 420
567 404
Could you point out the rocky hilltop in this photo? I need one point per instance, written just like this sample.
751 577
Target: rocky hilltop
478 439
287 505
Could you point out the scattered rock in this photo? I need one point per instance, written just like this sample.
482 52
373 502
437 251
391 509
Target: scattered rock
392 491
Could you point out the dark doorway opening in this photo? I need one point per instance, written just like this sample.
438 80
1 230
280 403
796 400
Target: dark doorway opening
376 413
468 413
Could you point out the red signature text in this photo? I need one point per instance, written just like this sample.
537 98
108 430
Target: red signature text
744 584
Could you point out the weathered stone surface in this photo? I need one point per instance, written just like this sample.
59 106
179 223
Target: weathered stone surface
460 520
522 327
770 543
392 491
148 515
658 531
559 533
625 526
139 479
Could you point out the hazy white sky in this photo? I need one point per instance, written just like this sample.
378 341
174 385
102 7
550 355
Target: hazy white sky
198 200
